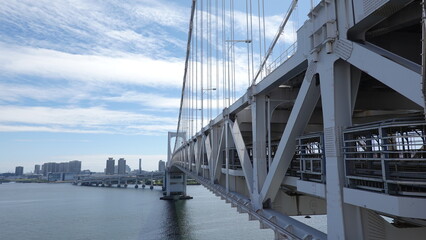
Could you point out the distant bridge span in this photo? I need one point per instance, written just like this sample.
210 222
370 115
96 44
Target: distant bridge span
335 127
116 179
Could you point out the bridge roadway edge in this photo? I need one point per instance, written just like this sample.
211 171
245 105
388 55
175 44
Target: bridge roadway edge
282 224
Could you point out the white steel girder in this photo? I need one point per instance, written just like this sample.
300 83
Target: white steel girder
258 113
336 93
215 135
403 80
304 105
197 152
187 162
217 164
200 156
243 155
208 149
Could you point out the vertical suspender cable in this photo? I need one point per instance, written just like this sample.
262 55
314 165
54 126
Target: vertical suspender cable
217 56
260 33
223 56
186 67
231 75
201 63
251 41
194 80
229 55
196 69
231 79
248 47
233 51
207 59
188 104
275 40
264 28
208 41
210 58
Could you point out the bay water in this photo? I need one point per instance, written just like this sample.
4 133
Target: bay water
64 211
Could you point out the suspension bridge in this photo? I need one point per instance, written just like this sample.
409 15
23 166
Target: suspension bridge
325 116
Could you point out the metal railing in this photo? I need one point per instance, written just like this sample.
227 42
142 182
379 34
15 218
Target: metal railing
388 157
234 160
308 162
290 51
310 154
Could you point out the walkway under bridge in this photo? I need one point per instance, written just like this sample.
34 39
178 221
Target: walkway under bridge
337 127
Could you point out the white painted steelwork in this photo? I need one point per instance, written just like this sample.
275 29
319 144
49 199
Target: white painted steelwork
322 133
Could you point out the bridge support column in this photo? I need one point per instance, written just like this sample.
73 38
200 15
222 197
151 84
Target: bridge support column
175 185
258 112
344 220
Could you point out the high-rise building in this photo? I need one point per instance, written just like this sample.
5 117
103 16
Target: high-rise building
121 166
50 167
110 163
63 167
161 166
37 169
19 171
44 169
74 166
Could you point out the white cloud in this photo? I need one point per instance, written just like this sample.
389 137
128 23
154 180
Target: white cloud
125 35
150 100
271 22
23 128
164 13
89 26
82 120
17 93
134 69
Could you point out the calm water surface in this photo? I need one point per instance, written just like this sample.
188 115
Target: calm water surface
64 211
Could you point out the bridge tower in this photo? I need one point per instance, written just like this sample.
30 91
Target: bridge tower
174 183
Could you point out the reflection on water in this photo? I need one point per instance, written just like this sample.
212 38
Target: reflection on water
182 220
171 226
165 228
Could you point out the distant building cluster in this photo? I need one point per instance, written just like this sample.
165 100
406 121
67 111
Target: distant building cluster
63 167
121 168
63 171
50 171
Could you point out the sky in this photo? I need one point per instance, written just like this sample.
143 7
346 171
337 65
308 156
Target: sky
91 79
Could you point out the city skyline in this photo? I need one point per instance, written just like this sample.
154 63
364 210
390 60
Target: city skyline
39 166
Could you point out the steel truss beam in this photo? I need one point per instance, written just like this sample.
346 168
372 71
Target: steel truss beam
303 107
243 155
